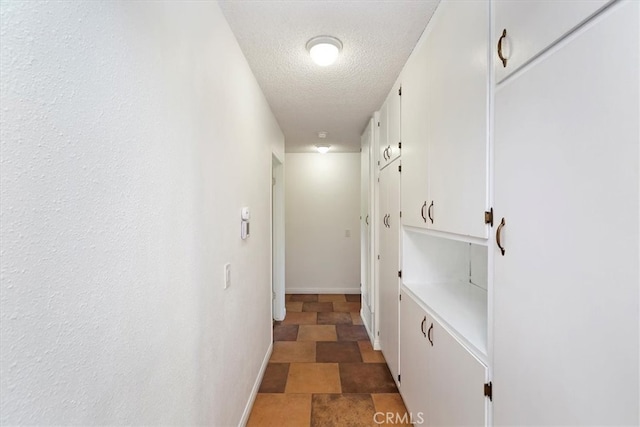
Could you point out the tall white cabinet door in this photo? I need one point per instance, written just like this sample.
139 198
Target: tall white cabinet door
456 383
394 114
389 289
566 294
383 135
414 139
365 218
532 25
456 119
414 324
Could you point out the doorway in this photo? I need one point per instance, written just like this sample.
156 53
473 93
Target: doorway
277 237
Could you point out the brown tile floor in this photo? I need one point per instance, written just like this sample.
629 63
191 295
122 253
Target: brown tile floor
323 370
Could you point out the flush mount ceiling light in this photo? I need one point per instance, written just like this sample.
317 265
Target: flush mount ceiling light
322 149
324 50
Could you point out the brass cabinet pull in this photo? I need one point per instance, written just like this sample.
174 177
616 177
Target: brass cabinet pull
499 236
424 206
500 55
429 334
424 321
429 212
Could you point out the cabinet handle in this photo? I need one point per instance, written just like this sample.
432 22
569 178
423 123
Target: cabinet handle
424 206
500 55
390 151
429 335
499 236
388 222
424 321
366 220
429 212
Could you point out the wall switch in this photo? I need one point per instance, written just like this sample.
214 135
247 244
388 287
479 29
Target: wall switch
347 233
227 275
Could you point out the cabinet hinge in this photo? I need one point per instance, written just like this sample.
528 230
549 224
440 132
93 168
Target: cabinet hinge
378 256
378 124
399 378
399 168
400 273
399 146
488 390
378 178
378 165
400 91
400 214
488 217
400 297
378 333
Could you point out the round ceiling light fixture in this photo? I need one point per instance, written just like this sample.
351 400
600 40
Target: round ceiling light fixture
324 50
323 149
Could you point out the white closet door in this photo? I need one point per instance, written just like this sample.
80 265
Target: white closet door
566 294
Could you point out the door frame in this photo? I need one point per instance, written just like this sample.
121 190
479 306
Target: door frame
277 238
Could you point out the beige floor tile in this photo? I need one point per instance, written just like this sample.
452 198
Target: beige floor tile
294 306
356 319
313 378
275 410
307 318
395 413
348 410
353 307
317 333
293 351
331 298
369 355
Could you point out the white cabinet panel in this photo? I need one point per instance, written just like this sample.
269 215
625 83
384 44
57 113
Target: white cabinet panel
365 222
566 333
456 117
389 283
414 139
383 134
533 25
389 146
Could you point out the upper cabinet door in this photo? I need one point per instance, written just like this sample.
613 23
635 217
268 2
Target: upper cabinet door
415 174
389 145
533 25
456 117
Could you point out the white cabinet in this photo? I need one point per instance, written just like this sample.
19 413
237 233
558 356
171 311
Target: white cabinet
366 226
389 282
445 99
532 25
442 382
389 142
566 333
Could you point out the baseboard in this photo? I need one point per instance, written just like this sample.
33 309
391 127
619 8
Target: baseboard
376 344
256 387
322 290
366 326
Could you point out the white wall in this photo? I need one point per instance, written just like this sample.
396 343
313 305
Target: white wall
131 135
322 198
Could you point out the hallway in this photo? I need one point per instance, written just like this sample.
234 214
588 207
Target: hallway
323 370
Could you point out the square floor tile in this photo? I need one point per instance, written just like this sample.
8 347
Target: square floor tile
334 318
347 307
287 297
352 333
331 298
340 410
293 351
285 332
304 297
352 297
317 333
369 355
338 352
356 319
313 378
317 306
293 306
300 319
365 378
276 410
395 413
275 378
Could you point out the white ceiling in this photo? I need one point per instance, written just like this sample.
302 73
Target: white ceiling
377 35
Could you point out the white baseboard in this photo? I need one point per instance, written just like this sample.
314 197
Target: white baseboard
376 344
256 387
366 326
323 290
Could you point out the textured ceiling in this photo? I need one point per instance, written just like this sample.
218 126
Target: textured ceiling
377 35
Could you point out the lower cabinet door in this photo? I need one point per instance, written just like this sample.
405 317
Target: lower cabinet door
414 324
456 381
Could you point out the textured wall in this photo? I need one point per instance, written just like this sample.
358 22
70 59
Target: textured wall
131 136
322 197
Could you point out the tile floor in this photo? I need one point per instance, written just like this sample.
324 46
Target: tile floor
323 370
